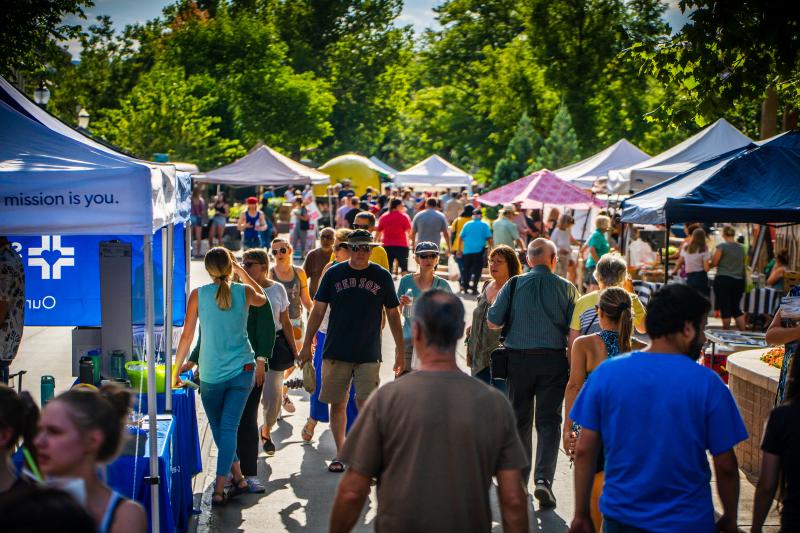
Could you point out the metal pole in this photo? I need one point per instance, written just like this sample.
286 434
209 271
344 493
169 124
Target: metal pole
149 321
666 254
331 218
169 270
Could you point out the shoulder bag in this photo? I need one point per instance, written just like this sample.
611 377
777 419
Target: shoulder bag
499 357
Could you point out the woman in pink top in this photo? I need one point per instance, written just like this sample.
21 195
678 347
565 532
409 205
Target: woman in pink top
394 227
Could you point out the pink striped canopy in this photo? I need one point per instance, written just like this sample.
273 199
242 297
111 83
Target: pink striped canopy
542 187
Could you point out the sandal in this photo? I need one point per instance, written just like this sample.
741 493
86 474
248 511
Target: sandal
307 433
236 489
288 406
223 499
336 466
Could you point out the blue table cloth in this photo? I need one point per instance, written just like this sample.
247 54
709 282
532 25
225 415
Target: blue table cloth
186 459
127 475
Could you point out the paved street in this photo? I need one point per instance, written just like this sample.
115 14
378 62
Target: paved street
299 488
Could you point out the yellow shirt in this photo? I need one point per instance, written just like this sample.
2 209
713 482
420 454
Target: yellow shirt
378 257
455 230
584 317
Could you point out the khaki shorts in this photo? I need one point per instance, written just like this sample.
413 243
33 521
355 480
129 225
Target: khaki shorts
336 377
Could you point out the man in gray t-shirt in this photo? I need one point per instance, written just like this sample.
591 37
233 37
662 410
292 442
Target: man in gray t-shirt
430 225
434 466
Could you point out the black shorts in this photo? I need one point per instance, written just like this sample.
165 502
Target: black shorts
728 293
400 253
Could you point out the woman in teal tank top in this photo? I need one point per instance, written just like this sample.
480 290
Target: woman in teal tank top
226 358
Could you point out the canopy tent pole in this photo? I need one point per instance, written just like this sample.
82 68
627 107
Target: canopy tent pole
149 298
666 253
168 236
187 243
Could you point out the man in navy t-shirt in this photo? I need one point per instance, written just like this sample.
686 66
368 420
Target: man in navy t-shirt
657 412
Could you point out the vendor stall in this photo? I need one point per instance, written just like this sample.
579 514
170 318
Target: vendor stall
54 184
540 189
584 174
433 173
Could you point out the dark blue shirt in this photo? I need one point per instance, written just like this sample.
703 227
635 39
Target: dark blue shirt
657 415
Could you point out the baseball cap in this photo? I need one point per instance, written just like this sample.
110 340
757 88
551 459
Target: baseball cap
251 200
477 212
361 236
426 246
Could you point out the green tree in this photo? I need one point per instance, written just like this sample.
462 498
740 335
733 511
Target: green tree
520 153
560 148
30 31
729 53
168 112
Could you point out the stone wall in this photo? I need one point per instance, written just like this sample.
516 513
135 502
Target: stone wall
753 384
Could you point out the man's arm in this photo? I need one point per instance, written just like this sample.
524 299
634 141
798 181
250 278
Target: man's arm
585 463
350 497
240 224
765 491
395 324
513 503
726 469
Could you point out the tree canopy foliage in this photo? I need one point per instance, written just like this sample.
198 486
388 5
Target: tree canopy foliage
500 87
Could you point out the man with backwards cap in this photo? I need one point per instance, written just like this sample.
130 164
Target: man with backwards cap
252 221
357 292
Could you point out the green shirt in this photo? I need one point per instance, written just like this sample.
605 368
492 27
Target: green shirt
260 331
731 261
406 284
541 312
505 232
601 246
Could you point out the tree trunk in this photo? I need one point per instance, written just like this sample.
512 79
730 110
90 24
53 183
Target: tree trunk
789 118
769 114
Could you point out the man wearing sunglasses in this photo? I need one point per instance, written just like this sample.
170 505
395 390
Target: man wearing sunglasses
317 258
366 221
357 292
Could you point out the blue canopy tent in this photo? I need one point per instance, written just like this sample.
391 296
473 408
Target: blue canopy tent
759 183
54 184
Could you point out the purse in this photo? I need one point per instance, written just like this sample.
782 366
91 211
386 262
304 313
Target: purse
309 377
498 359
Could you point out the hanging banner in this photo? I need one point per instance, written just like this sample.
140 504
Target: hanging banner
62 278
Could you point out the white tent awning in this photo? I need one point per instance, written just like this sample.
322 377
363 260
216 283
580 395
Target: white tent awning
716 139
621 154
264 166
433 172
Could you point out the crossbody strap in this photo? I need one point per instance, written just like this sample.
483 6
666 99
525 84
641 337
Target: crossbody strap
507 321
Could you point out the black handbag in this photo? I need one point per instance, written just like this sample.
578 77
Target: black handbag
498 359
282 356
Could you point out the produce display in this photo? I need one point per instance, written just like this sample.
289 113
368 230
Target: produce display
774 356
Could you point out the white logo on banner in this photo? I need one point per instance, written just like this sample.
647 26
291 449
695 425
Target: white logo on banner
43 257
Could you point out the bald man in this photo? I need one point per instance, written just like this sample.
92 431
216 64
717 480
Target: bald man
537 369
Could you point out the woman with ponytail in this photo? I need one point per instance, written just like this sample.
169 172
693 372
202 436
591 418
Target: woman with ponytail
18 418
588 352
227 360
80 430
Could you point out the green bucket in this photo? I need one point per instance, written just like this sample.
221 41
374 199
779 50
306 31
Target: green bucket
137 374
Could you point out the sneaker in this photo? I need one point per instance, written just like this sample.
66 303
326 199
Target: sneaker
544 494
254 486
269 447
288 406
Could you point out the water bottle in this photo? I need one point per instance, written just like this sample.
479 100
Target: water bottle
117 364
48 389
95 355
407 310
86 370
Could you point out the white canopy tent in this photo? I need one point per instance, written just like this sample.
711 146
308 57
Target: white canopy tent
433 172
56 184
621 154
716 139
384 167
263 166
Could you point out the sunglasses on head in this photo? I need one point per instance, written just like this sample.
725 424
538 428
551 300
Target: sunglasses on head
276 251
341 246
359 247
248 264
428 256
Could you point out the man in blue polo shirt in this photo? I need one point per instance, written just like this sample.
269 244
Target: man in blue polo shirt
656 413
473 239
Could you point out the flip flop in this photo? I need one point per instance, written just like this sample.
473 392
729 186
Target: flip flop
307 434
336 466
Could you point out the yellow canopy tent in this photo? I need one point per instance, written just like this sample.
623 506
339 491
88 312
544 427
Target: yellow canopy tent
360 171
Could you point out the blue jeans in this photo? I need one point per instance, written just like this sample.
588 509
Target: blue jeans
485 375
224 403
